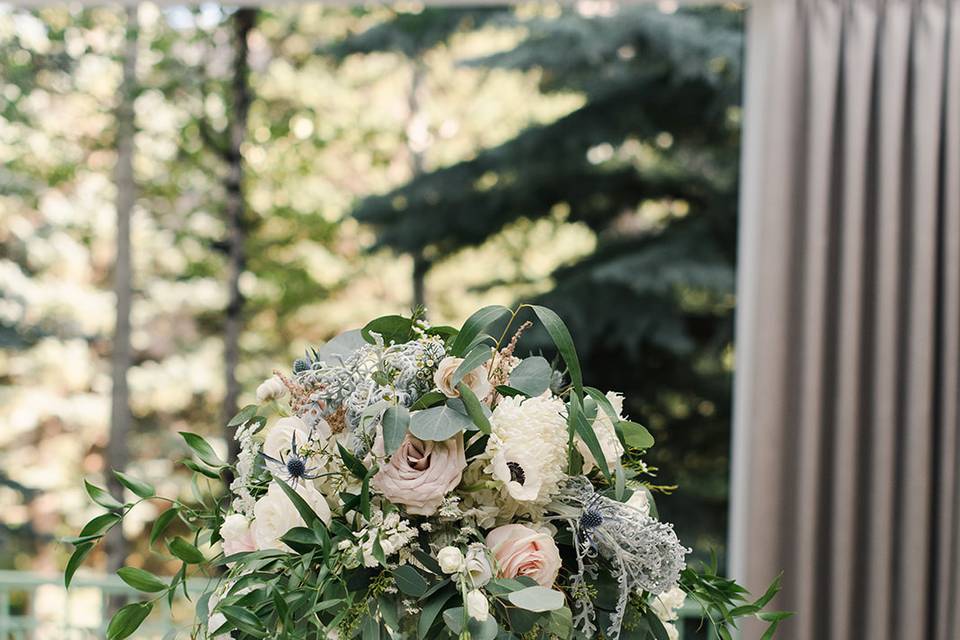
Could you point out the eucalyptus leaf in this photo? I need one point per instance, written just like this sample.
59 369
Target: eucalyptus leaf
410 581
395 421
438 423
536 599
531 377
339 347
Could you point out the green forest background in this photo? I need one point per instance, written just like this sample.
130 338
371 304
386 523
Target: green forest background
243 185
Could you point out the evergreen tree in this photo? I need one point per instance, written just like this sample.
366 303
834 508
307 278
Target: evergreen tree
649 162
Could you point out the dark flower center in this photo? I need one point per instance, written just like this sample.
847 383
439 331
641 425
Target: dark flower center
516 472
591 519
296 467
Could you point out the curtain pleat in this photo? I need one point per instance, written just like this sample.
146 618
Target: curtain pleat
847 424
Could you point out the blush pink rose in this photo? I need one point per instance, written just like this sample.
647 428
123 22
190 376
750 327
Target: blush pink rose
420 473
521 551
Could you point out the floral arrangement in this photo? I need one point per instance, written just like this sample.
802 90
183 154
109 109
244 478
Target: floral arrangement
411 481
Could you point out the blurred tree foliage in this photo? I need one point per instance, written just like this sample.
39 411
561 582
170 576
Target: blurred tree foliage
649 164
584 159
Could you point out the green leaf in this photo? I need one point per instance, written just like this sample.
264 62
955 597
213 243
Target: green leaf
138 487
243 416
656 627
588 435
185 551
76 559
161 523
428 400
370 629
127 620
486 630
202 448
564 342
474 408
199 468
101 497
476 323
531 377
305 510
98 525
438 423
432 608
301 539
410 581
536 599
395 421
339 346
141 580
352 463
244 620
477 356
391 328
635 435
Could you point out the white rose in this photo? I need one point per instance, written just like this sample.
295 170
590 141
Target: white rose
640 501
477 566
271 389
274 515
236 534
477 606
477 379
450 559
278 442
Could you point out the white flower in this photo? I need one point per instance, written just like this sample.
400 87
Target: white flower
476 379
274 515
450 559
278 442
271 389
236 534
606 435
672 632
640 501
521 479
531 433
666 604
477 565
477 606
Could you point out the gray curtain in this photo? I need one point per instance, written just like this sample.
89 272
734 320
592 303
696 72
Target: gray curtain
846 438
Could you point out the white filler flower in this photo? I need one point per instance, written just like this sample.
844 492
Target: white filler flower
528 447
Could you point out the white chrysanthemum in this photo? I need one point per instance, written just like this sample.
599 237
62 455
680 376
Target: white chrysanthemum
528 444
606 435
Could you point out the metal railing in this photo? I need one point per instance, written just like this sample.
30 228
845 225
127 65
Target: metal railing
36 606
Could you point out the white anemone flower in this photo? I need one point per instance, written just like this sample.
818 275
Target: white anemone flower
521 479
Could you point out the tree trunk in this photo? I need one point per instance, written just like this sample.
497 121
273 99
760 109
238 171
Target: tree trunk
235 210
415 155
118 452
